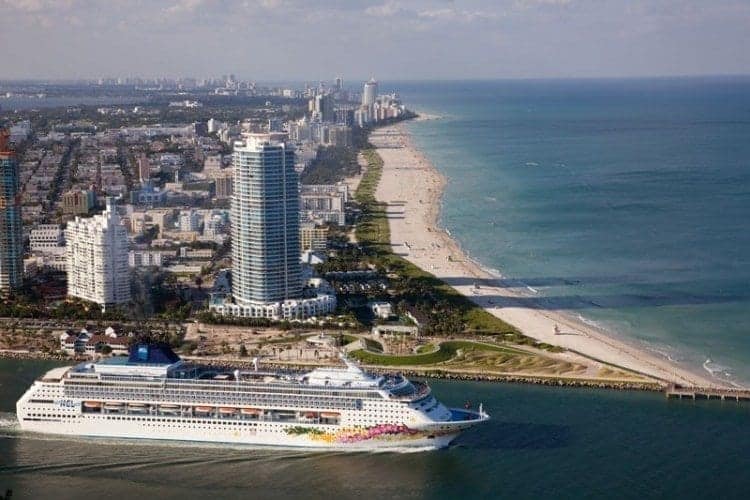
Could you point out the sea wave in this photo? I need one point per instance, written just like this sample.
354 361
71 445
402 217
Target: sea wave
715 369
588 321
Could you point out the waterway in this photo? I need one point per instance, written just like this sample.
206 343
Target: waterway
541 442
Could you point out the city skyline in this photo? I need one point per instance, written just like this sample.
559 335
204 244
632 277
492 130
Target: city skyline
416 40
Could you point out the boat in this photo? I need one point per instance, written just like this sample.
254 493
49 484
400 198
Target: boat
153 394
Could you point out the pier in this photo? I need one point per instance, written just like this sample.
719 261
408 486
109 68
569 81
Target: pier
679 392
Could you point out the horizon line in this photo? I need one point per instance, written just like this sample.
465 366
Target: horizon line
430 79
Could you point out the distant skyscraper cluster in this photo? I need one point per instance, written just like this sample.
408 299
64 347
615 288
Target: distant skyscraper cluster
11 233
376 107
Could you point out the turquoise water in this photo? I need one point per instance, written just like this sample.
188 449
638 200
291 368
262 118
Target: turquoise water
624 202
543 442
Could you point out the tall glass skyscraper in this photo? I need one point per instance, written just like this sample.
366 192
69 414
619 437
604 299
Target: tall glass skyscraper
11 233
265 221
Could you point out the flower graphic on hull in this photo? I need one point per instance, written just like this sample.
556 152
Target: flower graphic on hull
389 432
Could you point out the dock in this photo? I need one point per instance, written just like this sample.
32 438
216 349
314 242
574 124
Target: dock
719 393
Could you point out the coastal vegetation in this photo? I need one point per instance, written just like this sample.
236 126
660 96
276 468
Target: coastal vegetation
331 165
446 351
446 311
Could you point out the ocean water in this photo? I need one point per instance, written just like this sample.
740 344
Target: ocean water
626 202
543 442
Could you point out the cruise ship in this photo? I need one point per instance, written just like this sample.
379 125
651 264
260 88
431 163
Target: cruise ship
153 394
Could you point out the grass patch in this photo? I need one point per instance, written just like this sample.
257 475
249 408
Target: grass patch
348 339
372 345
424 349
446 351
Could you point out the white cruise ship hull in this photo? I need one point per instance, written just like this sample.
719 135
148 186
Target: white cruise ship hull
67 418
224 433
327 408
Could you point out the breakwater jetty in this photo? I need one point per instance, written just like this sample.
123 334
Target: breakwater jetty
716 393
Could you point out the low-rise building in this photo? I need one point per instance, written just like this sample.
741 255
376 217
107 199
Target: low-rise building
78 201
47 238
382 310
144 258
313 238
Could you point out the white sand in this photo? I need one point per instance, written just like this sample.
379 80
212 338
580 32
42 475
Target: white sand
412 188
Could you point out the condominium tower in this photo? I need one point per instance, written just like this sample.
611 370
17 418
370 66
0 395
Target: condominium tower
265 221
370 93
266 268
11 234
97 258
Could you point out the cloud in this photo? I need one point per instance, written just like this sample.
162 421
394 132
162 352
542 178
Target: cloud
278 39
387 9
449 14
184 6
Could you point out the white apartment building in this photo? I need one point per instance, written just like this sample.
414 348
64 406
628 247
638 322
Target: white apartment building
190 220
47 238
97 258
144 258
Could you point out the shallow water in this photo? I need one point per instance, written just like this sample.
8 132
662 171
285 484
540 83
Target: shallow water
624 202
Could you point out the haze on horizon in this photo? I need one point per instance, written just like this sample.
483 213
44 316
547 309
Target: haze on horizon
392 39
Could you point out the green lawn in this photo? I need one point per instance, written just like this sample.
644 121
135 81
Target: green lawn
446 351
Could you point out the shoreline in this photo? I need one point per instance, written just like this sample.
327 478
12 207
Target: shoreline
413 218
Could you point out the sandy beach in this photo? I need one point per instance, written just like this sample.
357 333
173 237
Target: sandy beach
412 189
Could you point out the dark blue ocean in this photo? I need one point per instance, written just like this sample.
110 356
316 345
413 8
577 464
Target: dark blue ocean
626 202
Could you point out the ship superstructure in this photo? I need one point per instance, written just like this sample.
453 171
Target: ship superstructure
153 394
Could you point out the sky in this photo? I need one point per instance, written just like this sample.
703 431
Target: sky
390 39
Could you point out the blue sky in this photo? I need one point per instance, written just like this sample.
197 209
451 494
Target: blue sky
391 39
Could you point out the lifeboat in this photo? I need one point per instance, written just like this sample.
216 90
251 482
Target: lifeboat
113 406
203 409
137 407
169 408
227 411
327 414
310 414
92 404
251 411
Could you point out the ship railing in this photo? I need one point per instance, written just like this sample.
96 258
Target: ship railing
219 387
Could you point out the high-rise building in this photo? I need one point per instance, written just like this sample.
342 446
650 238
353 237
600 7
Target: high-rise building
224 186
144 169
339 83
370 93
11 233
96 250
322 107
265 221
